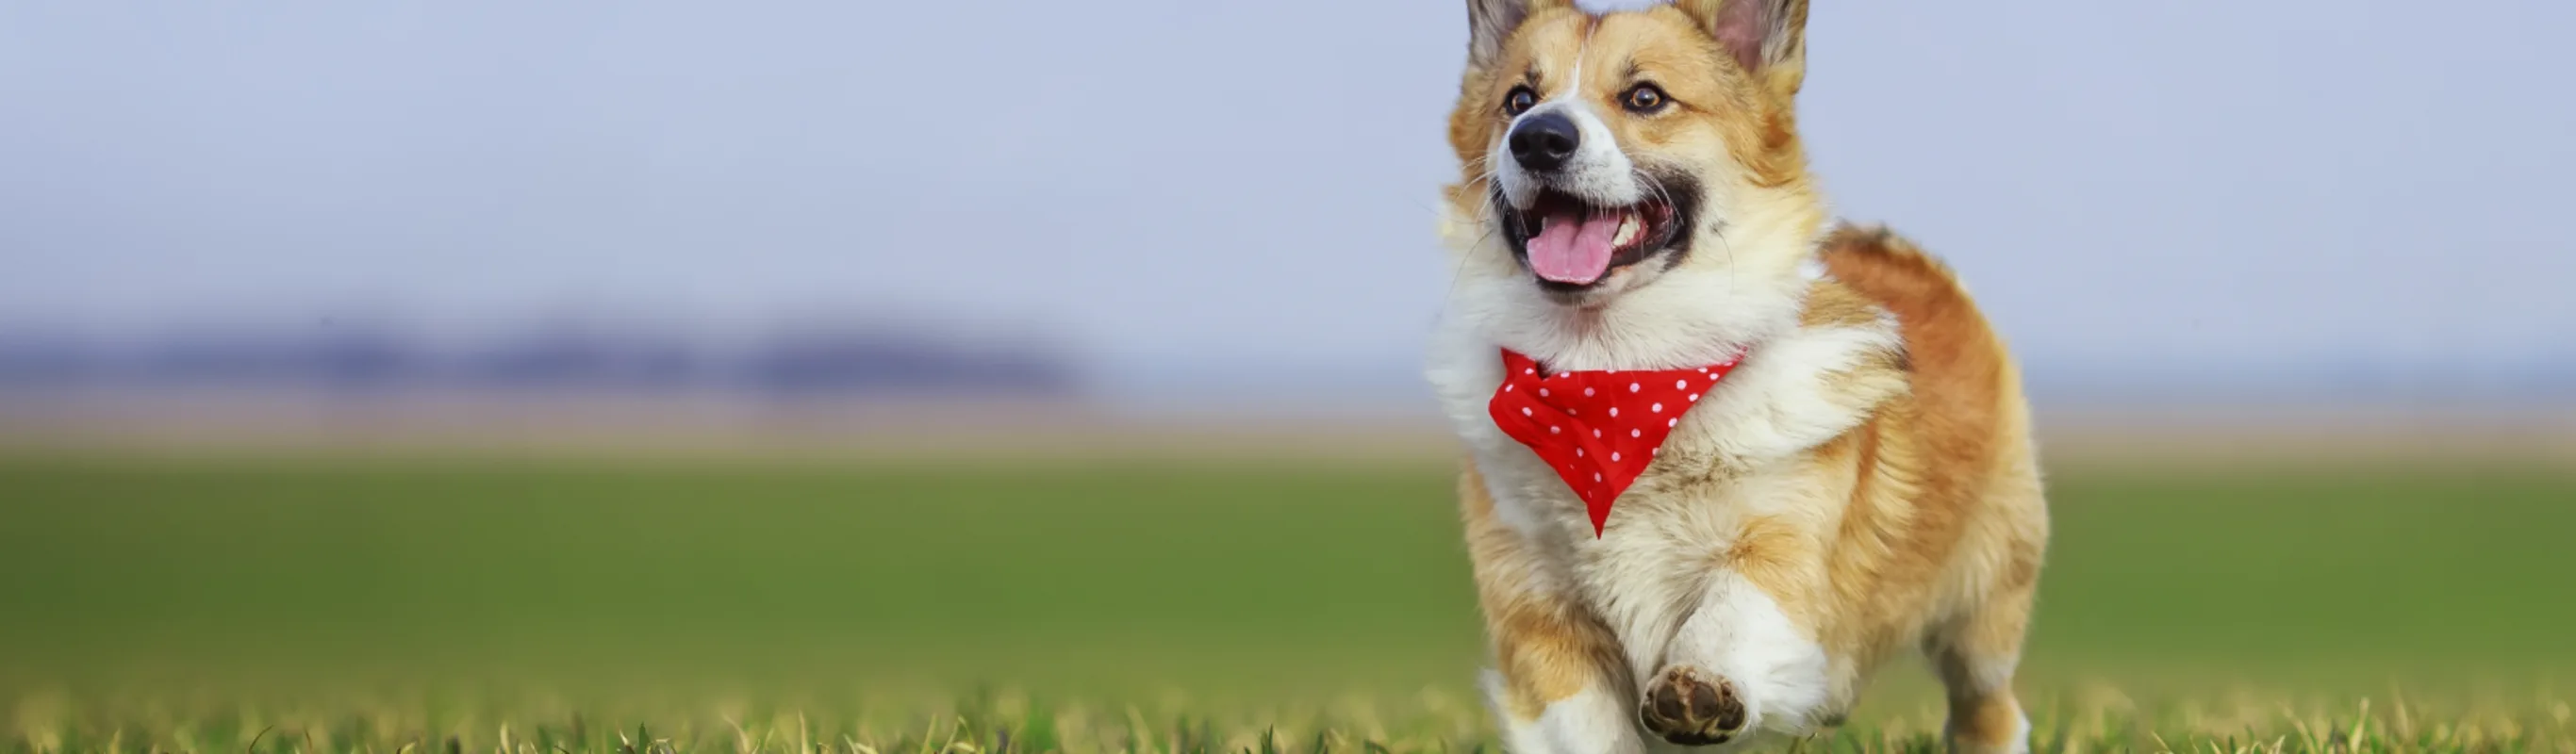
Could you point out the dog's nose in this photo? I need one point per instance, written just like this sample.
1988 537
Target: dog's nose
1544 142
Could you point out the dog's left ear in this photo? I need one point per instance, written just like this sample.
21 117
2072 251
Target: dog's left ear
1767 37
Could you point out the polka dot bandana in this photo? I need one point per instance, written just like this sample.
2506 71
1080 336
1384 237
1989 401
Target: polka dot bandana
1598 430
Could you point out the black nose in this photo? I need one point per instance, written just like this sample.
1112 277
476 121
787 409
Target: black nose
1544 142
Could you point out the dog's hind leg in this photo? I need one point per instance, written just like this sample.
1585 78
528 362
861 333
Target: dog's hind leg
1976 660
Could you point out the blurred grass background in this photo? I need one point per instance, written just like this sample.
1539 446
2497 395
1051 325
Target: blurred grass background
1102 576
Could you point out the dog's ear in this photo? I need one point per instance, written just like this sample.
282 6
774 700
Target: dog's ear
1491 22
1767 37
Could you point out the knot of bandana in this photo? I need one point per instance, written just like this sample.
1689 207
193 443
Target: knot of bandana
1598 429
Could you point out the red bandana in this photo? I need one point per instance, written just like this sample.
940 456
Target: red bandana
1598 430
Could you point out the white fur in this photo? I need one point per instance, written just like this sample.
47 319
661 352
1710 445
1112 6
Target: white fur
1519 736
1589 722
1813 269
1777 403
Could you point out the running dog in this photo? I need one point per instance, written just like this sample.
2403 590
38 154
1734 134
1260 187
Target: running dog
1726 458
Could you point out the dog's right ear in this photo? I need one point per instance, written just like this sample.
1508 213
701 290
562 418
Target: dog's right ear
1491 22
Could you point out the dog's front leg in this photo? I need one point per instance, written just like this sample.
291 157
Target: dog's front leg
1553 691
1557 685
1738 664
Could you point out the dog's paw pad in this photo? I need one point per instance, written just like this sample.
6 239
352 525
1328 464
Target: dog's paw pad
1692 708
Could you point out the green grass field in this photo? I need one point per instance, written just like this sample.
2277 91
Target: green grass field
188 604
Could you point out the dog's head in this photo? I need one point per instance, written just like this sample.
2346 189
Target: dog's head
1603 153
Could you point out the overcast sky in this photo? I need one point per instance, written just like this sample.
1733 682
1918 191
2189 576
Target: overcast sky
1186 184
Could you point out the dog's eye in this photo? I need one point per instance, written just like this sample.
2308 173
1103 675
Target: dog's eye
1519 101
1643 98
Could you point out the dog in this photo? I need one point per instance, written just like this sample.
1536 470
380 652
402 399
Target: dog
1845 470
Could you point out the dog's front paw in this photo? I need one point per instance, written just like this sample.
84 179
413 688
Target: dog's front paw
1693 707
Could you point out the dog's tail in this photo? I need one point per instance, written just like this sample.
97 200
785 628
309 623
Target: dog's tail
1963 377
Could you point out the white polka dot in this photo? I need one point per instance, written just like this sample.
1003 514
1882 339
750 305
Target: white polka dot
1525 412
1694 397
1508 388
1572 412
1636 433
1587 392
1596 477
1531 370
1614 457
1555 430
1614 412
1563 375
1634 387
1542 392
1671 422
1578 452
1658 408
1596 433
1681 384
1654 451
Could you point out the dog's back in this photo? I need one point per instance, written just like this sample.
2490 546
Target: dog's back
1966 392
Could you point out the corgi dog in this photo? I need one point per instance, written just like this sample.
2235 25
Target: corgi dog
1835 466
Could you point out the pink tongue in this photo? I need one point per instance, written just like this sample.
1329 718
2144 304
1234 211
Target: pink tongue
1572 248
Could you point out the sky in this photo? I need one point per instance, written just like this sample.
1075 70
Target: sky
1181 189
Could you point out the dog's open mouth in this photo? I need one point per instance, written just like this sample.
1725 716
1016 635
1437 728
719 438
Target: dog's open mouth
1570 244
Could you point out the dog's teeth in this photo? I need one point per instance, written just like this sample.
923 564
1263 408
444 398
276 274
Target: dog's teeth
1627 230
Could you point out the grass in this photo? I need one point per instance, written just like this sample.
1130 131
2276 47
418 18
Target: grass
2091 721
187 604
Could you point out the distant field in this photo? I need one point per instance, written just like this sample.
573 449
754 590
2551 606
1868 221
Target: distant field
275 578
